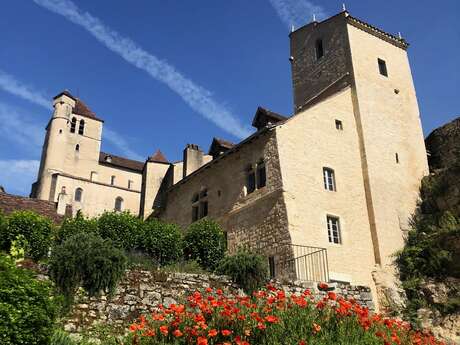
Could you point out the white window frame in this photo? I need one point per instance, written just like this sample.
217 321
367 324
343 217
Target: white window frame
334 231
329 179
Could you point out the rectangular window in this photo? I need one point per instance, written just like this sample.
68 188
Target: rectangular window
93 176
261 175
329 179
338 125
382 67
333 230
203 209
271 266
194 213
319 49
112 180
251 187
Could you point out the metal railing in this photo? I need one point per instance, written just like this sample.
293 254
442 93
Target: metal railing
294 261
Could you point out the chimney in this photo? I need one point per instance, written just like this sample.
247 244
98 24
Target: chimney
62 202
193 159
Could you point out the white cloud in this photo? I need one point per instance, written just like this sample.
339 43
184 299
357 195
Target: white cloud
16 176
15 126
9 84
197 97
297 12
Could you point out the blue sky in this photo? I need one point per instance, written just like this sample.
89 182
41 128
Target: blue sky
166 73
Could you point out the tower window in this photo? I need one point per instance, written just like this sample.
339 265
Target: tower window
112 180
130 184
333 230
119 204
382 67
93 176
78 194
338 125
77 147
329 179
397 157
81 127
319 49
73 124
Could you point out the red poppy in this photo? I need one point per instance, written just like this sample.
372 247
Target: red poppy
226 332
202 341
164 330
177 333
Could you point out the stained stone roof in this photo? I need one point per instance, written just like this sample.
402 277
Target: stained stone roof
120 162
219 145
80 107
158 157
10 203
263 117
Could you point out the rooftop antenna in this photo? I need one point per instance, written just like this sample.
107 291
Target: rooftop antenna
399 35
314 17
344 8
292 28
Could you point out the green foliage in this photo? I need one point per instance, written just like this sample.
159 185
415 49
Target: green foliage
205 242
3 232
122 228
249 270
27 312
77 225
190 266
88 261
162 241
36 229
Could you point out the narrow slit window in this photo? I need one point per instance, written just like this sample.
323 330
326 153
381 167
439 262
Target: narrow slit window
77 147
73 125
112 180
339 125
271 266
319 49
397 157
81 127
329 179
130 184
333 230
382 67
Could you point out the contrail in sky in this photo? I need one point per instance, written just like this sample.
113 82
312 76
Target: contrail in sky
297 12
197 97
15 87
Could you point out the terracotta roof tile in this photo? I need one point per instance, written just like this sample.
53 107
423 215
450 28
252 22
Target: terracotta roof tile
121 162
158 157
10 203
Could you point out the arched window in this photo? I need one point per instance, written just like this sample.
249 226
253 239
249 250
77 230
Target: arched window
81 128
73 124
78 194
119 204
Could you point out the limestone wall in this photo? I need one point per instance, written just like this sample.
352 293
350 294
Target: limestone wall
143 291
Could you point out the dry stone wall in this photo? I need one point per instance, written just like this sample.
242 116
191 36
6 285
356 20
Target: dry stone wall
141 292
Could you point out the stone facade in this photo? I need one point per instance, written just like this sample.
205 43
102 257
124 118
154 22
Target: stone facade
141 292
355 114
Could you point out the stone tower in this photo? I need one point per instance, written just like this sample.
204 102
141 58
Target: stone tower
341 52
72 141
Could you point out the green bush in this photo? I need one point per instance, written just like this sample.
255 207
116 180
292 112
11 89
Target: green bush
77 225
36 229
205 242
162 241
248 270
3 232
27 312
88 261
121 227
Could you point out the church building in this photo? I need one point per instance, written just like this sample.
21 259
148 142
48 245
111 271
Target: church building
325 192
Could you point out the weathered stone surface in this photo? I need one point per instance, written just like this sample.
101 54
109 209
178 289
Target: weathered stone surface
139 293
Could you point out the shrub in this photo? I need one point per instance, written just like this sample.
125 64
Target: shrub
3 232
162 241
36 229
77 225
248 270
205 242
271 317
88 261
121 227
27 312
